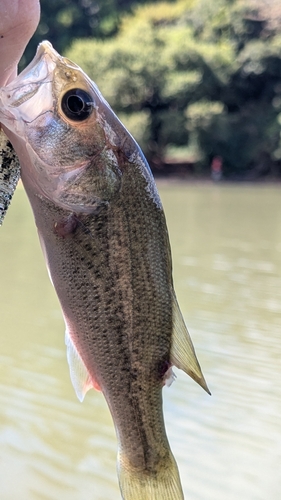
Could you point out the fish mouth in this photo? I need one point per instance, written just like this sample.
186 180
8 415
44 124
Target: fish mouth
40 67
25 85
15 98
46 54
36 82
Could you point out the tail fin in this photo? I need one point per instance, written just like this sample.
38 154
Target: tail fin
143 485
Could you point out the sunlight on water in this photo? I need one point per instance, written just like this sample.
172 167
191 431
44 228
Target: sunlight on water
226 243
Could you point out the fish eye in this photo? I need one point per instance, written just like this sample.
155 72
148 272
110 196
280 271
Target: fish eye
76 104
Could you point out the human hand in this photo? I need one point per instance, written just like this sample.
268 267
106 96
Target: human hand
18 21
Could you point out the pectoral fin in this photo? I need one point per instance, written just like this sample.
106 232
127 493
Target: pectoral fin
80 377
182 351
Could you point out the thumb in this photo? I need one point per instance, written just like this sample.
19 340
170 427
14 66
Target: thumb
18 21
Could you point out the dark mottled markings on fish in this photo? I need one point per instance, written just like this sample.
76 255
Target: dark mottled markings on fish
9 174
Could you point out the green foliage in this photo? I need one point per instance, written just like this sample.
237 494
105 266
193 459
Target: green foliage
62 21
243 139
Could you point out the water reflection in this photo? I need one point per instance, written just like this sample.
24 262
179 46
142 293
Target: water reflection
226 243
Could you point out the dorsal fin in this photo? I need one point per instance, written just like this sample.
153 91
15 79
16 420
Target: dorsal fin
182 351
80 377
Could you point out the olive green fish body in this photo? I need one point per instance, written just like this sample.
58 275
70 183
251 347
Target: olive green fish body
112 273
103 232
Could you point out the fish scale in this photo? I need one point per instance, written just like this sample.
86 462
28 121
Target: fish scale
103 233
91 239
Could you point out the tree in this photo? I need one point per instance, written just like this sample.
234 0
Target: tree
158 74
62 21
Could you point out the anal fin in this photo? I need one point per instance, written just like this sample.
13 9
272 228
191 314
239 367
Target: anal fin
81 380
183 355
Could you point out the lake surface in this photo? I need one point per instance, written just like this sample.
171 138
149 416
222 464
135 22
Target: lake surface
226 244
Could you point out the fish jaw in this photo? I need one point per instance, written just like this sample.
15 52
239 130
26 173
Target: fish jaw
35 80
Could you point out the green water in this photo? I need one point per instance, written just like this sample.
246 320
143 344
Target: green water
226 243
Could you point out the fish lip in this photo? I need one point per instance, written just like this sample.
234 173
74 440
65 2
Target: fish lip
46 48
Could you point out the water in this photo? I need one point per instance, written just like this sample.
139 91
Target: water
226 243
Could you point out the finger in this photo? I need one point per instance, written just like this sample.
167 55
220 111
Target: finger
18 21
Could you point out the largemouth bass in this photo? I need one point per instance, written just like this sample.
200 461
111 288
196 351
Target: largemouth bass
103 232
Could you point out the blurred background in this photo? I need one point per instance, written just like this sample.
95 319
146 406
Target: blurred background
198 83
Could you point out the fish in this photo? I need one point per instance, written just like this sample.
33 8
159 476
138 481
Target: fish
9 174
104 236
